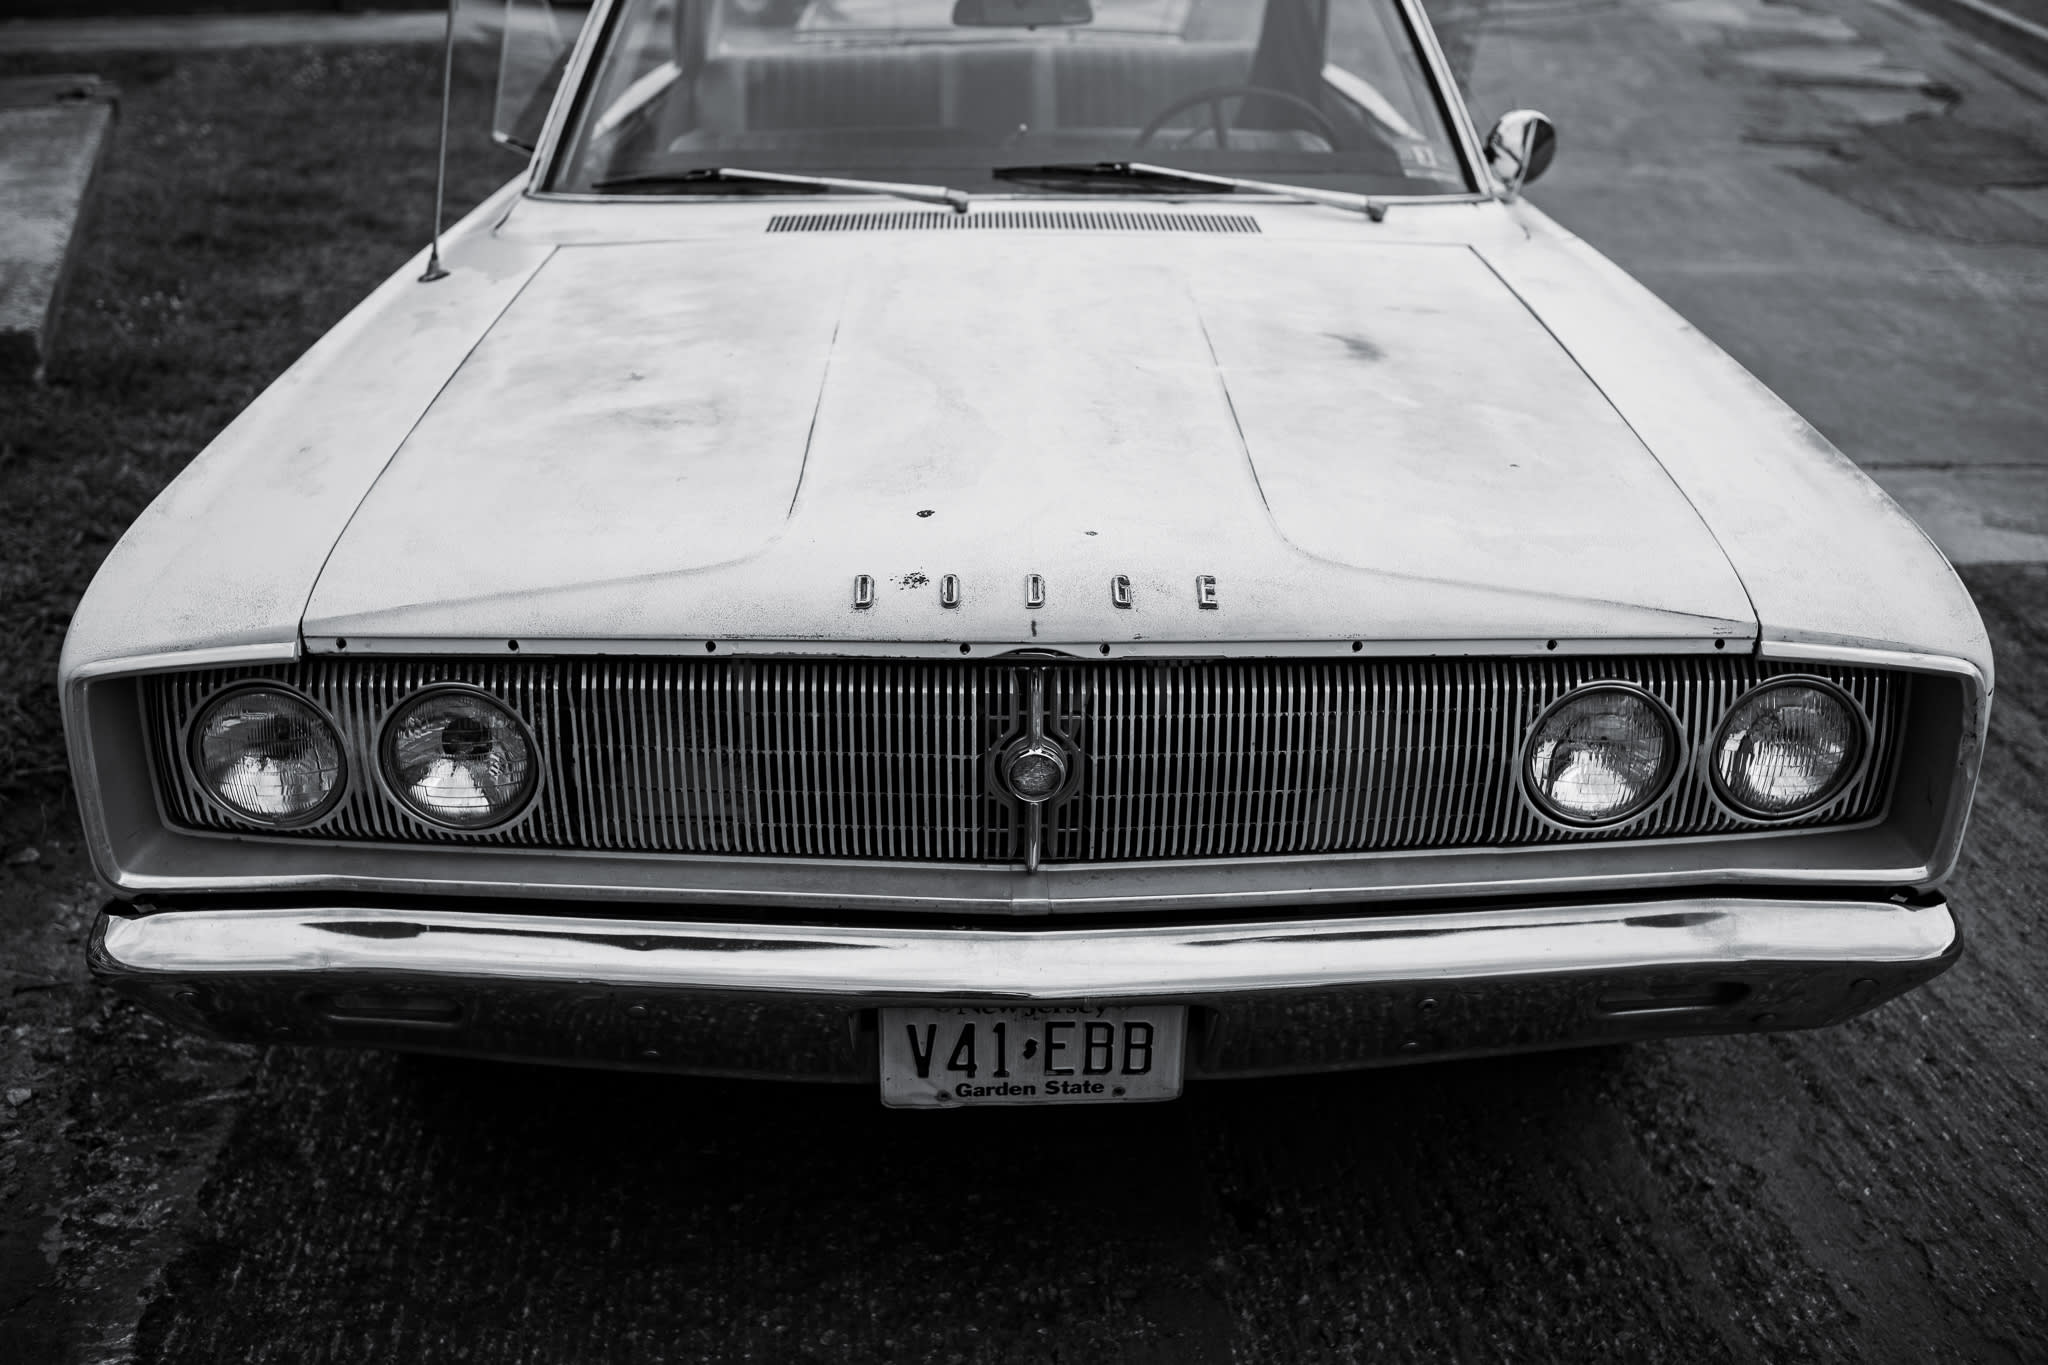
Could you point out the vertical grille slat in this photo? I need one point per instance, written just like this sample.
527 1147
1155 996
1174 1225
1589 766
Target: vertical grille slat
890 760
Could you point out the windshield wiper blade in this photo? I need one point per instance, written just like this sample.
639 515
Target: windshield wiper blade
1094 174
956 200
1139 170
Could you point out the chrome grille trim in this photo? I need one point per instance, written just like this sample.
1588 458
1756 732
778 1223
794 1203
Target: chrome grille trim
888 761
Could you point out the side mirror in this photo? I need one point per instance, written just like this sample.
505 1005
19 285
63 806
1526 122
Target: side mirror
1520 148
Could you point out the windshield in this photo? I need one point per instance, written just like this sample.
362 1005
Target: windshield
1329 93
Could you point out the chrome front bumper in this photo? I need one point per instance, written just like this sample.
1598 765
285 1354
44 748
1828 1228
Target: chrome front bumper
799 1002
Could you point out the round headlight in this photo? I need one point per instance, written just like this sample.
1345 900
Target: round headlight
268 755
1787 748
458 759
1599 756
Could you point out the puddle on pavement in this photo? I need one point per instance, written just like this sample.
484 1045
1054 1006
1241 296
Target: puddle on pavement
2032 198
1839 66
1733 17
1897 143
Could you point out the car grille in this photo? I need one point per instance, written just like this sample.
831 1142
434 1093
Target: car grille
893 760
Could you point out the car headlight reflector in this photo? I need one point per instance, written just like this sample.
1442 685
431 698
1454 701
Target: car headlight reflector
1600 755
458 758
1786 749
269 755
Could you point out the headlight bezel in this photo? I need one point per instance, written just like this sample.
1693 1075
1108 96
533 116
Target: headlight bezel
1680 759
1846 777
395 789
195 764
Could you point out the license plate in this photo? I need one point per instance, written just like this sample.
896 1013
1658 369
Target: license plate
953 1056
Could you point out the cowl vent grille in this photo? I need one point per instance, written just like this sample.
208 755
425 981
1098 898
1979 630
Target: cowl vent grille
1018 220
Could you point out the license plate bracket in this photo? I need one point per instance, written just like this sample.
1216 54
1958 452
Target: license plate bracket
964 1056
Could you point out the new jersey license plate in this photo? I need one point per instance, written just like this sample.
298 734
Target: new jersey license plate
947 1056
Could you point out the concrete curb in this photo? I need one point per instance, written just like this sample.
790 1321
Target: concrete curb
204 32
53 137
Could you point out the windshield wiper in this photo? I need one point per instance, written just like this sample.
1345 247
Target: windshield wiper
956 200
1142 171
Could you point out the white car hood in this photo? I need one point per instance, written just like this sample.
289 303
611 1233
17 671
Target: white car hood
710 441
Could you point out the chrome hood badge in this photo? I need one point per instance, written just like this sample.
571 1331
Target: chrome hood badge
1122 594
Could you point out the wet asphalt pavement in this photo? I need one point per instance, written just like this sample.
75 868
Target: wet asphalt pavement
1871 1192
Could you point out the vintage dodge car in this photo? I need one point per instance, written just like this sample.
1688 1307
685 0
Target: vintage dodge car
1017 551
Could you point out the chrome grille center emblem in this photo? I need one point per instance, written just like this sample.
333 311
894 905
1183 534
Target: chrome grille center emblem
1034 772
1036 768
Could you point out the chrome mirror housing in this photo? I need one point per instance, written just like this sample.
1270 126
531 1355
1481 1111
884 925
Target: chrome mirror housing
1520 148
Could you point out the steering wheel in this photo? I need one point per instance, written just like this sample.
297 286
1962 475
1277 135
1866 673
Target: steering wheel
1317 121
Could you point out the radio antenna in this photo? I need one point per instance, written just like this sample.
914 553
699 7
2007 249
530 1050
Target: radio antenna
434 269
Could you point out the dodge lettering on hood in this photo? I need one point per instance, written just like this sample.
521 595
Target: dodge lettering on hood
1017 551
